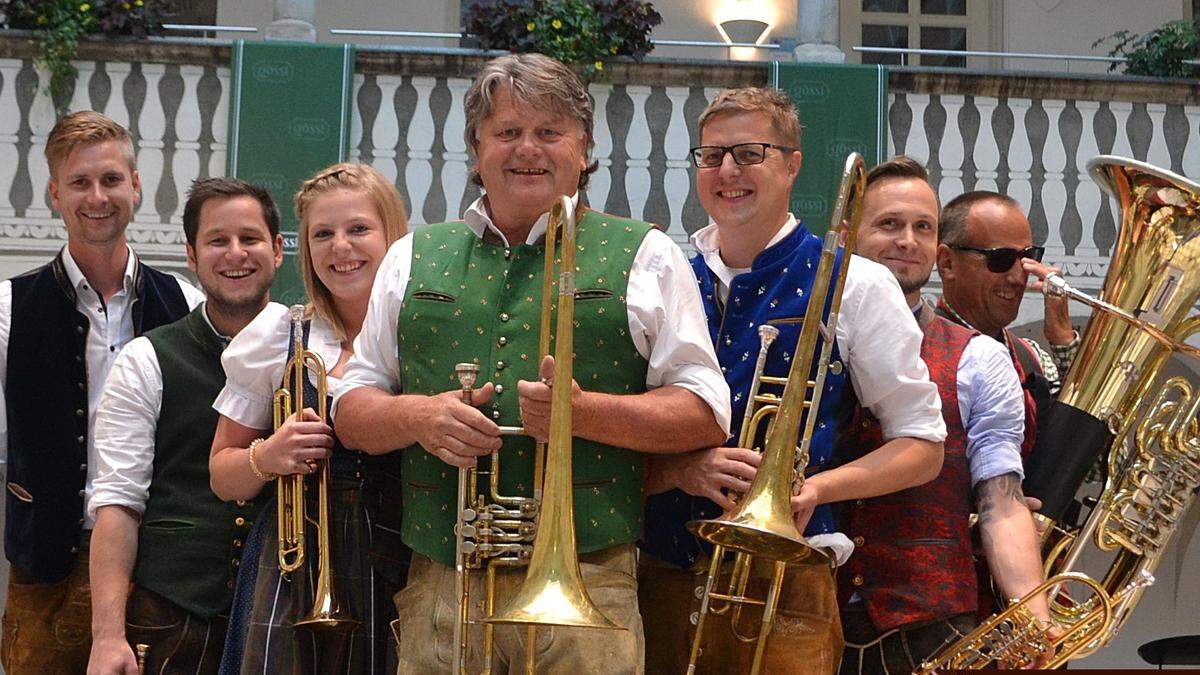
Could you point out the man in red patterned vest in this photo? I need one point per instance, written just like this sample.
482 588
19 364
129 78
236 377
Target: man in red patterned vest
910 584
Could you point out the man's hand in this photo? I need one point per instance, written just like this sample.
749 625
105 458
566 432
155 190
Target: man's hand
1057 324
803 504
455 432
295 445
535 399
708 473
112 656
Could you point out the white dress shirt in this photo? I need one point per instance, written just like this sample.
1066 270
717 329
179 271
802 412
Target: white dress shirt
110 329
877 337
666 318
255 360
126 423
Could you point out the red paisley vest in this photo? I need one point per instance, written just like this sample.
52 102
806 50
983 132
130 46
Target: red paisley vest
912 558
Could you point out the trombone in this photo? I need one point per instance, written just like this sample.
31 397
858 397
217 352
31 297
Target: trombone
510 531
762 524
328 613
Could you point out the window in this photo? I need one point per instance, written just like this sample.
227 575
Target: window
926 24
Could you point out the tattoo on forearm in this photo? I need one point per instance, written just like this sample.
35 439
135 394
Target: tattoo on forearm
993 493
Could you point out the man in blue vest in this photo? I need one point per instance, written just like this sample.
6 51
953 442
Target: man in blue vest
646 379
61 327
158 524
756 265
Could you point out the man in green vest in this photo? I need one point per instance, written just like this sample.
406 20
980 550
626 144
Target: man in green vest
646 378
158 524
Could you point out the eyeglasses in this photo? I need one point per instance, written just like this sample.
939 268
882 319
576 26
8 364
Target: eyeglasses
1001 260
744 154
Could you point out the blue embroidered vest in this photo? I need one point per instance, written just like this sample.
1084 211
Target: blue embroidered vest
774 291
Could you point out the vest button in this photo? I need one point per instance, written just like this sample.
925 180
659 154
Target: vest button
857 580
499 389
859 541
504 316
502 341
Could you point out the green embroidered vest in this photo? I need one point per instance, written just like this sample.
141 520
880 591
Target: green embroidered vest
189 542
470 300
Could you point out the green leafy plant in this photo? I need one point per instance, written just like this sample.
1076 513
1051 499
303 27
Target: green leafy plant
58 25
1160 52
586 34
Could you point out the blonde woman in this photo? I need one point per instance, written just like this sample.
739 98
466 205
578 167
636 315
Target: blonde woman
349 215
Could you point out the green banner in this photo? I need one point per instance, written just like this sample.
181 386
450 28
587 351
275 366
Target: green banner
843 110
289 115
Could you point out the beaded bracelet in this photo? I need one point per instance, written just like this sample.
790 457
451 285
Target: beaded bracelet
264 477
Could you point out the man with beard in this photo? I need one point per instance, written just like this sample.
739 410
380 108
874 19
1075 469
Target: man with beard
158 524
61 327
914 545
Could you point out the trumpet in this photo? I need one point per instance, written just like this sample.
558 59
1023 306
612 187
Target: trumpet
762 524
496 530
328 612
1015 638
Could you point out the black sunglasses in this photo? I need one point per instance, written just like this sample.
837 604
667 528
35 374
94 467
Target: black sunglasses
744 154
1001 260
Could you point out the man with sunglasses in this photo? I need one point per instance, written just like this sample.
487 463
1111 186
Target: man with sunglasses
916 546
985 256
756 265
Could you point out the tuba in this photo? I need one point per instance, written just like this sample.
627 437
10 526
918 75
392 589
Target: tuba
1146 429
496 530
328 613
762 523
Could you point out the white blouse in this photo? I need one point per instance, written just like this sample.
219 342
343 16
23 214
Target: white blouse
255 359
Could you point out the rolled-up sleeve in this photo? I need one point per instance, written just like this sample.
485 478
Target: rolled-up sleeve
992 406
125 426
376 360
881 342
254 363
666 320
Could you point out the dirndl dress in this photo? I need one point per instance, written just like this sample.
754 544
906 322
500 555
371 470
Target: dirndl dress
369 565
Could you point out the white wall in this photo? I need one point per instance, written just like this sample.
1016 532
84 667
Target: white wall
1071 26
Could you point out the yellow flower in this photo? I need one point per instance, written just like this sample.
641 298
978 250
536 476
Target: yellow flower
556 23
84 7
599 65
530 26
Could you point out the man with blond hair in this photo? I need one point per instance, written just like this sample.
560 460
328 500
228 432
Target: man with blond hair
61 327
756 265
644 369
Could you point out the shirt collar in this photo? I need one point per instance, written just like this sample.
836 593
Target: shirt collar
224 339
78 280
480 222
707 241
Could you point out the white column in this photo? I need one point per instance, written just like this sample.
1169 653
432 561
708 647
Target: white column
293 20
817 32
